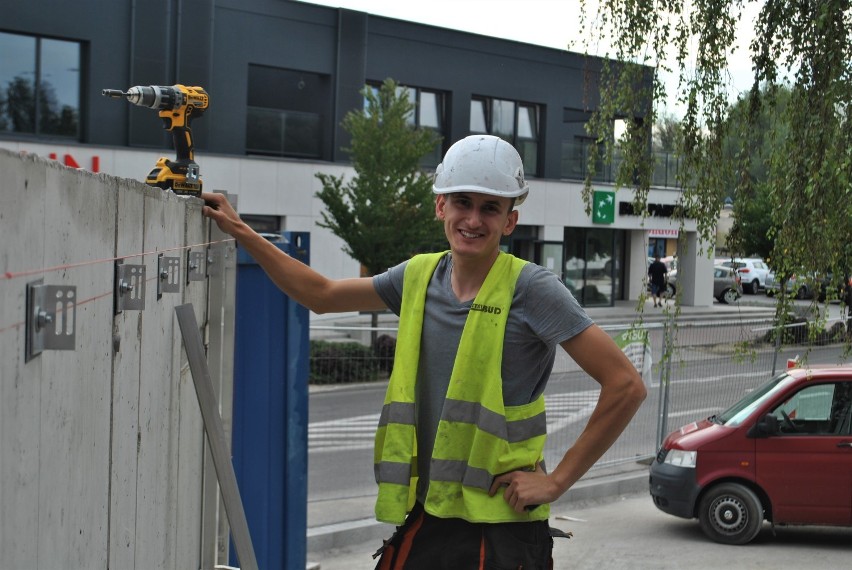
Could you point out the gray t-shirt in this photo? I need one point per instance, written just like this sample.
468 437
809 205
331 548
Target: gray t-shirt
542 315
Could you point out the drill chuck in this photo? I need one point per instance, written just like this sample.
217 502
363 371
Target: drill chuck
151 96
155 97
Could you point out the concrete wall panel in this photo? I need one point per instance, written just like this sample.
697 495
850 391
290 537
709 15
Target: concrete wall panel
21 201
75 397
191 441
127 346
101 447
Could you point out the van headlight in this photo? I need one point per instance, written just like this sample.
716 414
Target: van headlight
681 458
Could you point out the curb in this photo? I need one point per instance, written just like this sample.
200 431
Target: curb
339 535
607 487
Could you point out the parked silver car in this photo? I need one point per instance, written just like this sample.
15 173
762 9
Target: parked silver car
799 287
804 286
727 287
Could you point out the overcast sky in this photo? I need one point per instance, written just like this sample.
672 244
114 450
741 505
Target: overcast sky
550 23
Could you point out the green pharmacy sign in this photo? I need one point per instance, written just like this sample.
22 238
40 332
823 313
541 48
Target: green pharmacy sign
603 209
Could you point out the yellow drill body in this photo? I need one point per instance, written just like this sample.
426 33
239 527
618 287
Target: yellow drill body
177 106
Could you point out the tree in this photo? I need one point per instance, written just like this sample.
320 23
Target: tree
808 166
753 229
386 213
751 234
20 102
667 134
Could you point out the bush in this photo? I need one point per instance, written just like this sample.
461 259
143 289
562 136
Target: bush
800 331
384 351
795 331
342 362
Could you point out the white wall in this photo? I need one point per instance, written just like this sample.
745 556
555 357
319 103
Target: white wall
287 188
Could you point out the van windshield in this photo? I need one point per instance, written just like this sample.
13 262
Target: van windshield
739 412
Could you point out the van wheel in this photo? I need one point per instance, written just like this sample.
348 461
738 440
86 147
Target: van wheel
731 513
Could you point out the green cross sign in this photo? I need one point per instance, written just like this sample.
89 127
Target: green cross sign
603 208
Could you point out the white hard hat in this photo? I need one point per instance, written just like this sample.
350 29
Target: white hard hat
484 164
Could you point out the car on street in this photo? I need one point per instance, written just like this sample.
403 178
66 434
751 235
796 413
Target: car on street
803 287
783 453
726 284
792 286
752 270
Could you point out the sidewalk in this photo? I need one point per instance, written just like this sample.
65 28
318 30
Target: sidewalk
627 532
344 528
622 312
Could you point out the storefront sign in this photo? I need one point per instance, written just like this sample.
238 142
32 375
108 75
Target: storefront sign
663 234
603 208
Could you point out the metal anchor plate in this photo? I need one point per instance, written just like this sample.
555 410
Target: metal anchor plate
195 266
129 292
168 275
51 318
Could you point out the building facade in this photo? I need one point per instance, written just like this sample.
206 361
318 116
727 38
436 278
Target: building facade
282 75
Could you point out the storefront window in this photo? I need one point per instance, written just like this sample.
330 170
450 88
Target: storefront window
593 265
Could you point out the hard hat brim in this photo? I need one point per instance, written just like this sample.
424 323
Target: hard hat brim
520 195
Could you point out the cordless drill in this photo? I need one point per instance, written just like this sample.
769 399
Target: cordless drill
177 104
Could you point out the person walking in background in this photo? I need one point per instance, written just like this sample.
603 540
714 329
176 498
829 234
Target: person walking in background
657 273
460 441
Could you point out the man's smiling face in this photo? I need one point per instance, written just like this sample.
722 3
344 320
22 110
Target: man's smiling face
474 222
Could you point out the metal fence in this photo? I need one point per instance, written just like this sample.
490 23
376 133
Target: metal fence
692 370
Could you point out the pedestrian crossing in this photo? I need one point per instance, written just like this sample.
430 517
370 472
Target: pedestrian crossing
568 408
357 432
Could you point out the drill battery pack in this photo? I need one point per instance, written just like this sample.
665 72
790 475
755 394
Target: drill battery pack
181 178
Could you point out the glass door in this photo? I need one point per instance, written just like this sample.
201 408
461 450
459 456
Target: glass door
598 290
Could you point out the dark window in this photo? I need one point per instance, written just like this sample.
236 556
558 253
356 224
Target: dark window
575 160
516 123
262 224
39 86
286 112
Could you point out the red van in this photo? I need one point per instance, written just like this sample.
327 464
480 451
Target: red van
783 453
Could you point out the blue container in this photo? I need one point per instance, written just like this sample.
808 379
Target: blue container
270 429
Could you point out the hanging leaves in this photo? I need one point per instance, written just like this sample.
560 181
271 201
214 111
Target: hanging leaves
804 47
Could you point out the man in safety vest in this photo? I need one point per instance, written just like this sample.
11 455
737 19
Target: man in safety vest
460 441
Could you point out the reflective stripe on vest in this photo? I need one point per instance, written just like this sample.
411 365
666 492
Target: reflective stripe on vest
395 451
477 438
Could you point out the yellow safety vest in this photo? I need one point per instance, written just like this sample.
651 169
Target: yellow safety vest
478 438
